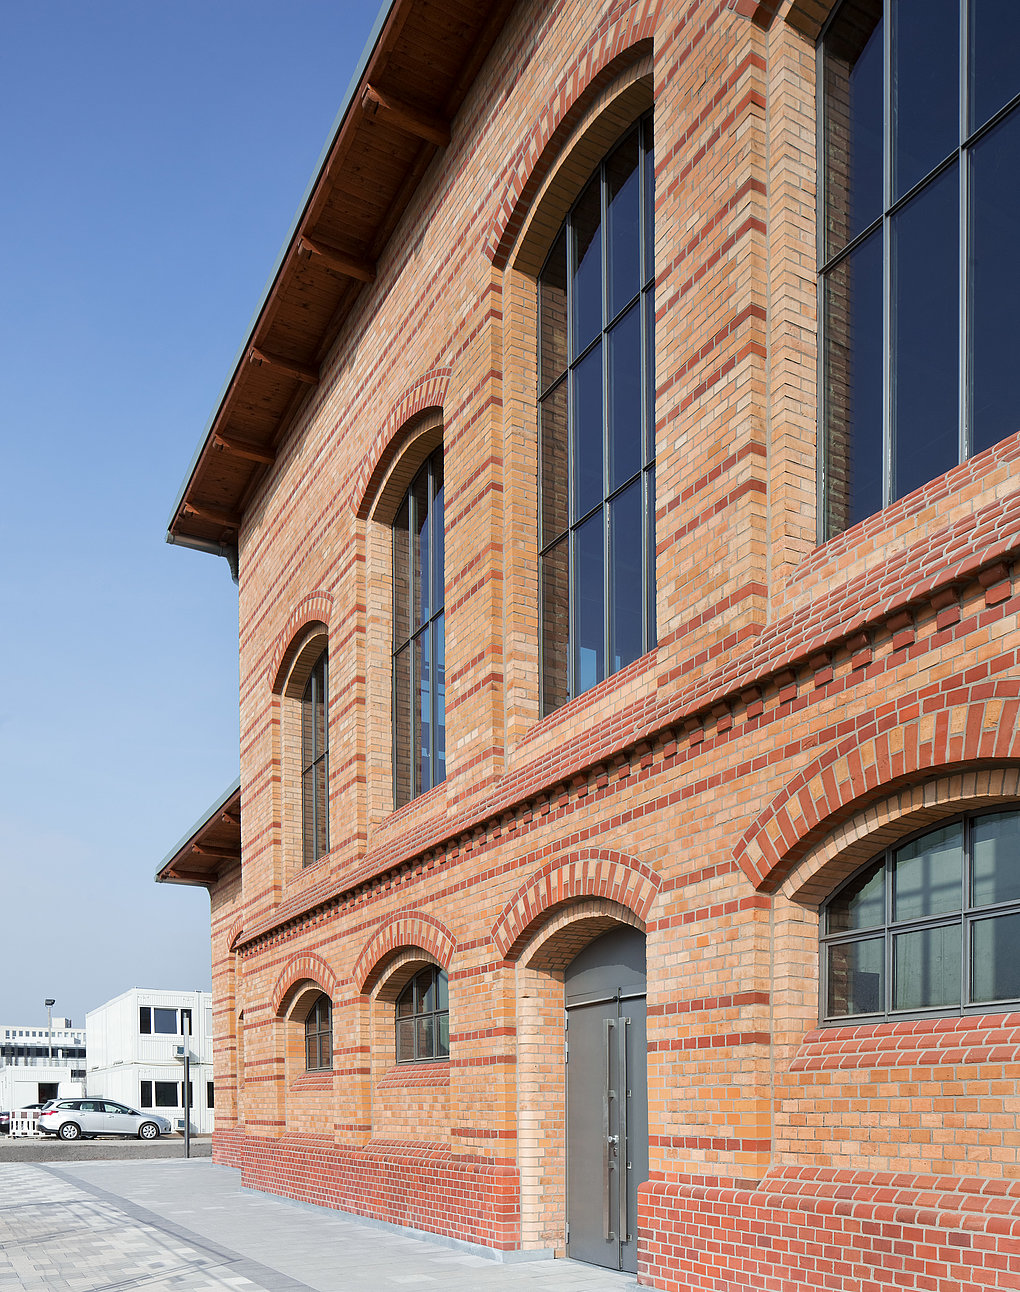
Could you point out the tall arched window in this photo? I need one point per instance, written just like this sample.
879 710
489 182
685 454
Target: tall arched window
596 309
932 926
319 1035
419 641
315 764
423 1017
920 105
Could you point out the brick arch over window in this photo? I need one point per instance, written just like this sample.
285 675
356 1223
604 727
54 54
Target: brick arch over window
234 933
921 734
622 39
428 393
317 608
403 931
305 967
587 872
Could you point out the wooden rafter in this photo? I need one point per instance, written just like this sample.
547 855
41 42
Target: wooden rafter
334 258
243 449
215 855
413 121
302 371
227 519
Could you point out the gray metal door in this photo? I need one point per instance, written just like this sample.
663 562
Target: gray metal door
607 1099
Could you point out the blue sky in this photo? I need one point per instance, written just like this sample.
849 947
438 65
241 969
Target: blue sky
152 159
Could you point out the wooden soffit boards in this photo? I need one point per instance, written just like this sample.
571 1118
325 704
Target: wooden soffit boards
397 116
212 846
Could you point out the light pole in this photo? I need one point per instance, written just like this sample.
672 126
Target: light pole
49 1002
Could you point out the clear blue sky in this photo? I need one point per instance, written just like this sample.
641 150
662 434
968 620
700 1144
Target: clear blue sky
152 158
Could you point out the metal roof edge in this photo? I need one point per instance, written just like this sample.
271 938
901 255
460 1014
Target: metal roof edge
345 107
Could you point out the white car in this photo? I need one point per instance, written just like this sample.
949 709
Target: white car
89 1117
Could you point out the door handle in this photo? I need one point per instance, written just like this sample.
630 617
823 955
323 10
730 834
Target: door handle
624 1176
609 1142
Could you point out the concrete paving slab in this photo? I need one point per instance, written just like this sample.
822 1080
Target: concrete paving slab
188 1226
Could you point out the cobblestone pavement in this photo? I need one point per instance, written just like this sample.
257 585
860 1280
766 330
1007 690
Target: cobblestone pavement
186 1226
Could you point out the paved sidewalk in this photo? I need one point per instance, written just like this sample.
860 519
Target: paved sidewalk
186 1226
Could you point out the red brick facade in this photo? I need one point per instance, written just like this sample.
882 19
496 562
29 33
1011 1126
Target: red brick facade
805 707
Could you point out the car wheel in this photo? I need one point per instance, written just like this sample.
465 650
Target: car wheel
148 1130
70 1130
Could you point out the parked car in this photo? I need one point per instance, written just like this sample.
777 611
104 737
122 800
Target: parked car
5 1117
87 1118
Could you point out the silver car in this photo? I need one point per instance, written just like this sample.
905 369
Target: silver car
86 1118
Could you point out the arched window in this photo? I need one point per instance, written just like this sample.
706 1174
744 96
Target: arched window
315 764
419 642
920 107
932 926
423 1018
596 314
319 1035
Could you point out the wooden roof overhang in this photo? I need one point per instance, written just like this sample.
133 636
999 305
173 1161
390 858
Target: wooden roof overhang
211 847
418 65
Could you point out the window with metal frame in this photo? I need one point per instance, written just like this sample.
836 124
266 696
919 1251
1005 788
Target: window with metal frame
423 1017
315 763
920 141
930 927
419 641
319 1035
596 403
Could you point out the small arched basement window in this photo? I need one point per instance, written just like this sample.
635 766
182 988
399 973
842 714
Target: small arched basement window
319 1035
423 1017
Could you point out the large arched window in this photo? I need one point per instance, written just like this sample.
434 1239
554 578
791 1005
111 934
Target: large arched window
932 926
423 1017
319 1035
419 641
920 105
597 427
315 764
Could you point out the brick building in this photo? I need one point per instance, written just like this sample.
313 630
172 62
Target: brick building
621 478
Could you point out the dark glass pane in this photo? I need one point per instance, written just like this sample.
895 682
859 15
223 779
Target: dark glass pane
555 625
146 1099
853 109
995 283
586 263
420 550
438 535
405 1002
925 81
308 814
995 864
588 429
553 439
442 991
589 602
402 727
853 387
164 1021
861 905
401 576
623 224
994 69
442 1036
927 875
321 813
425 989
145 1020
648 165
625 398
311 1053
651 625
926 968
405 1040
649 361
439 744
425 1043
856 978
167 1094
926 329
995 959
319 706
423 714
552 315
625 578
307 726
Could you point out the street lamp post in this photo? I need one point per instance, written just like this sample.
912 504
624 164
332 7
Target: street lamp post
49 1002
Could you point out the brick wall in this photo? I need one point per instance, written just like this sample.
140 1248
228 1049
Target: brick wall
803 708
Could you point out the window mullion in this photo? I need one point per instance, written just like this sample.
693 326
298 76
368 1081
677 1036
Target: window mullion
889 141
964 239
607 590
